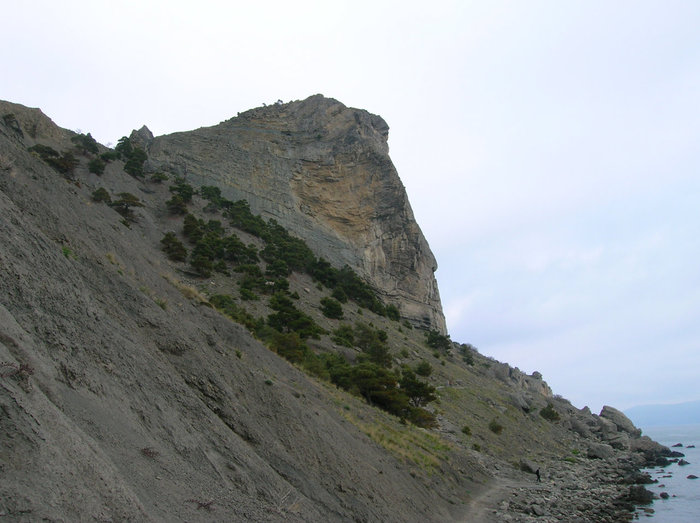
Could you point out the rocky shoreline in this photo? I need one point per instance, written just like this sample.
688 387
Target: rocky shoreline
604 485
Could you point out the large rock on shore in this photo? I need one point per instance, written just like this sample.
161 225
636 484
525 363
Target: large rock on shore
600 451
622 422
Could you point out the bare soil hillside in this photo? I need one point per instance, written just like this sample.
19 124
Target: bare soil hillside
126 396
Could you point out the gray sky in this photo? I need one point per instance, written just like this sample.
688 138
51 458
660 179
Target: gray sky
549 148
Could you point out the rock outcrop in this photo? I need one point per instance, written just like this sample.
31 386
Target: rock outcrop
322 170
621 422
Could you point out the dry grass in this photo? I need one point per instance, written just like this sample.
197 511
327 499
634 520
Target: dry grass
425 449
6 163
411 444
207 505
188 291
150 452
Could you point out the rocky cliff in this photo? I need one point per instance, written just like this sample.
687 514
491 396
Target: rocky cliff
323 171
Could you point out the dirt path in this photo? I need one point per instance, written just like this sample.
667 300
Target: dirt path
484 506
490 505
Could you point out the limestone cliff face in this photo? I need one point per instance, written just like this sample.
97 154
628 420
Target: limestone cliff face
322 170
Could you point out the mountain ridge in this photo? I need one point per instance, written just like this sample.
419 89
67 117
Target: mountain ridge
127 395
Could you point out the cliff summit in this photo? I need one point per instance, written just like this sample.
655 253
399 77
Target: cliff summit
322 170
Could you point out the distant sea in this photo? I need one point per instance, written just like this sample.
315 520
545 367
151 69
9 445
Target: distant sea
684 504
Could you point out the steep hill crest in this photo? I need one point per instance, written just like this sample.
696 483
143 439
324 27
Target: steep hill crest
323 171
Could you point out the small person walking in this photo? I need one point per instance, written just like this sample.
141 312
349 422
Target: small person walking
537 473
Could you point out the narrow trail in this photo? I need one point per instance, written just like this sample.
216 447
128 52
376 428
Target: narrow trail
488 505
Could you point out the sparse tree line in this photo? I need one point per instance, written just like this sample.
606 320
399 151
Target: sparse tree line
285 330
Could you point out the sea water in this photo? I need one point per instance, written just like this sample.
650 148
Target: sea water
683 505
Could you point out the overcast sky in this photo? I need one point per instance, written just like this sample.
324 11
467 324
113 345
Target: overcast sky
550 149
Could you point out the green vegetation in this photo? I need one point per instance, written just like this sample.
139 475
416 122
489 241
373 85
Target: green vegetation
419 392
287 318
372 342
282 252
85 144
133 156
211 248
109 156
549 413
173 247
392 312
182 189
63 163
286 329
424 369
11 121
467 351
495 427
344 335
44 151
102 195
227 305
437 341
124 204
97 166
176 205
339 295
159 177
331 308
345 282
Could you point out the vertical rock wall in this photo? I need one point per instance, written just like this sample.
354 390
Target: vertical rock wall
323 171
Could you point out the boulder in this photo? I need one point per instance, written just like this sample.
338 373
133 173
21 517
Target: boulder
141 138
654 453
622 422
605 427
580 428
522 401
619 440
528 466
639 478
600 451
639 495
646 444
